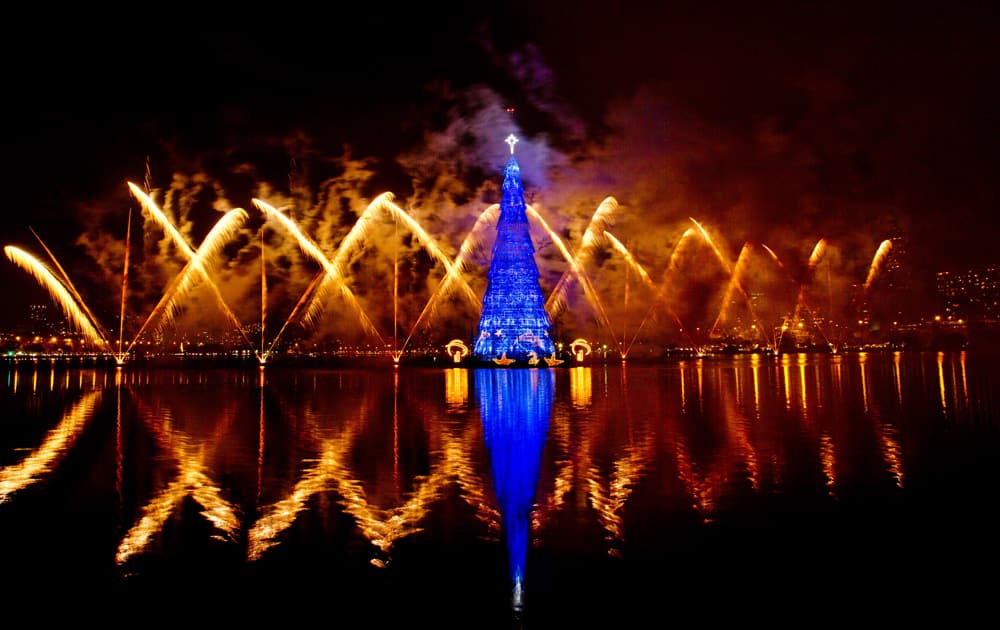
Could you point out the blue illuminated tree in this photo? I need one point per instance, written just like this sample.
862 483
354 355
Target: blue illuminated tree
514 323
515 406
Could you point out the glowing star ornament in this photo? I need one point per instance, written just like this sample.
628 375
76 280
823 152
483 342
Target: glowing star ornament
513 326
511 140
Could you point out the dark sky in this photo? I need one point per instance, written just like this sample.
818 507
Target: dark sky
779 121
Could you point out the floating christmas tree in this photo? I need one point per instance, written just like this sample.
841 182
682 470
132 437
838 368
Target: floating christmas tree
514 325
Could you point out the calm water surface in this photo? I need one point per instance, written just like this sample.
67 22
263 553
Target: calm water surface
793 490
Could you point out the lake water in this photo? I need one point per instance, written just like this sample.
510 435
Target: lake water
794 489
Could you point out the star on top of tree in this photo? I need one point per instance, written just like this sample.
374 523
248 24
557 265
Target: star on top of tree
511 140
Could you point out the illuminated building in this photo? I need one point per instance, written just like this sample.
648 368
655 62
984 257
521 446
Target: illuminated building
970 294
514 323
41 320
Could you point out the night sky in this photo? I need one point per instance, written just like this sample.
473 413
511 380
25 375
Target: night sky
775 122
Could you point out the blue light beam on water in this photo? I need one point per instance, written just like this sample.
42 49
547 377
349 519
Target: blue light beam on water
515 406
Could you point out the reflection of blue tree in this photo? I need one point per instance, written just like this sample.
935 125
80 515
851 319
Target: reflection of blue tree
515 407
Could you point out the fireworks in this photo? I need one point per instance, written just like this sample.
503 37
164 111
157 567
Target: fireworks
880 256
660 292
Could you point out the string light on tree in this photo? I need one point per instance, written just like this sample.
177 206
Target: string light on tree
514 325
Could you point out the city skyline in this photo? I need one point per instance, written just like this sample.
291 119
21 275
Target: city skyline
970 298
